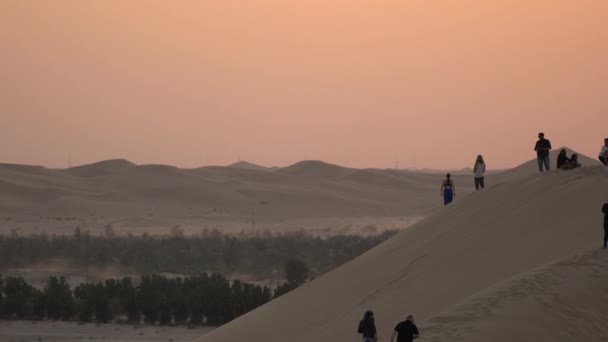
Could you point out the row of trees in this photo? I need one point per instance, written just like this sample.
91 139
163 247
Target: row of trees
202 299
261 256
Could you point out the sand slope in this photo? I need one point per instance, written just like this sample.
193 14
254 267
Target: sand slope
465 250
564 301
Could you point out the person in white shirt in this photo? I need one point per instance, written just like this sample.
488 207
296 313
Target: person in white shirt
478 170
604 153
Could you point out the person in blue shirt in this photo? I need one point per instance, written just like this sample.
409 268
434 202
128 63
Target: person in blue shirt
448 191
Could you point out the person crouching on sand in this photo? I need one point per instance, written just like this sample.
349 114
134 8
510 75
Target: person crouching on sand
573 162
562 159
448 191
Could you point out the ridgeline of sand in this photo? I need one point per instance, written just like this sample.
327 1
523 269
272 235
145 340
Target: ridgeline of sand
482 269
309 195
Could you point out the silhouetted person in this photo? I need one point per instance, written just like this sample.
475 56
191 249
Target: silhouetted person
448 191
478 170
406 331
603 157
542 148
367 327
562 159
605 211
573 162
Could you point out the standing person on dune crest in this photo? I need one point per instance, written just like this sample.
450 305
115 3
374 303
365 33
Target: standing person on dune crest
542 148
448 191
478 170
603 157
605 211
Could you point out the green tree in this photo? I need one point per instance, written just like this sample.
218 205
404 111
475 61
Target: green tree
1 296
283 289
58 299
296 271
84 301
102 303
21 300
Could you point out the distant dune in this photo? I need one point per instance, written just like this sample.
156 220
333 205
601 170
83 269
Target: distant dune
248 166
154 198
104 168
517 262
315 169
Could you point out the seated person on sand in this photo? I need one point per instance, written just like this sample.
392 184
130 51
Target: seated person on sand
562 159
572 163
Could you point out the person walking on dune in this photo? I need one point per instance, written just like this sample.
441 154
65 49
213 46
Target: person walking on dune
605 211
367 327
542 148
604 153
406 331
478 170
448 191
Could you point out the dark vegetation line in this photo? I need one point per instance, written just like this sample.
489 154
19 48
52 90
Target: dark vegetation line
194 300
261 257
205 297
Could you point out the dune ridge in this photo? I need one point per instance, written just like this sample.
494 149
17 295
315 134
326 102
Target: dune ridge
523 223
153 198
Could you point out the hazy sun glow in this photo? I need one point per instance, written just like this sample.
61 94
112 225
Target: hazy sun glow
357 83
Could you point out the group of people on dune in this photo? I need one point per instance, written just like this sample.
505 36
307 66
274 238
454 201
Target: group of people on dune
405 331
448 190
542 148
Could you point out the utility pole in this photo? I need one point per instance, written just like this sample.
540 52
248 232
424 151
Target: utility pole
86 251
253 221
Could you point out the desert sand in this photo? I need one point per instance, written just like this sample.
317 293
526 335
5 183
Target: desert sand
520 261
52 331
522 253
310 195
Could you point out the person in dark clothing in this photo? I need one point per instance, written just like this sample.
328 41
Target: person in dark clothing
605 211
573 163
367 327
562 159
542 148
406 331
603 157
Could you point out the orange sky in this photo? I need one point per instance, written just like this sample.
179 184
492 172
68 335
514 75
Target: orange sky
357 83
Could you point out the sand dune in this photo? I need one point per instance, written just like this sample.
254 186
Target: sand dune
154 198
249 166
564 301
467 271
104 168
315 169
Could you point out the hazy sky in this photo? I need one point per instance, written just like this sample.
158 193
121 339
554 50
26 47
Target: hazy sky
358 83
